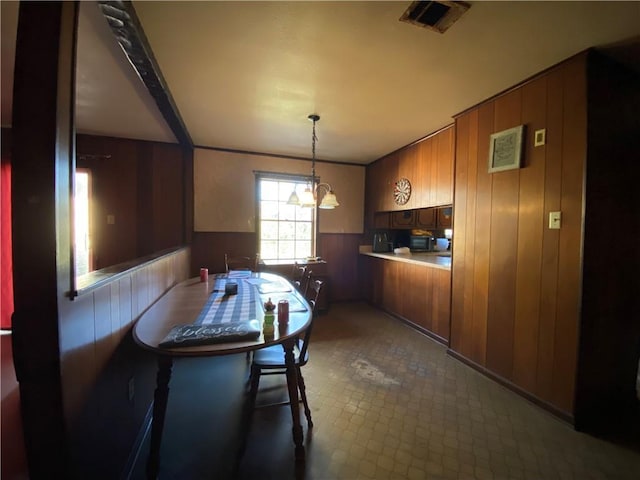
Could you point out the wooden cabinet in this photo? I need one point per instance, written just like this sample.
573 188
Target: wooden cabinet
382 220
444 217
390 176
407 168
422 181
418 294
426 218
404 219
428 165
379 184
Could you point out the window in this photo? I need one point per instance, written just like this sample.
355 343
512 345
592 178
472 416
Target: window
84 262
285 232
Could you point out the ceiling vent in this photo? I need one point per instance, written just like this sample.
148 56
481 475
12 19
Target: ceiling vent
438 16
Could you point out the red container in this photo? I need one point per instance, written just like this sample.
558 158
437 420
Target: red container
204 274
283 312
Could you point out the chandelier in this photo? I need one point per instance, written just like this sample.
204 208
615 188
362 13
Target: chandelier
309 197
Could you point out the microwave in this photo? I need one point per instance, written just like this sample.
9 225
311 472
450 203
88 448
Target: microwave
421 243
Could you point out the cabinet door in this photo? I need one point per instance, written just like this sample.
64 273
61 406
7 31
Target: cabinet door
404 219
390 172
441 303
392 291
426 218
423 173
407 169
417 293
382 220
444 217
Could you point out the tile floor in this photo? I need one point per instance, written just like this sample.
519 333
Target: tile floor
387 402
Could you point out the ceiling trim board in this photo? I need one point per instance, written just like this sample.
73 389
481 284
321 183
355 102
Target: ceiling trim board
128 31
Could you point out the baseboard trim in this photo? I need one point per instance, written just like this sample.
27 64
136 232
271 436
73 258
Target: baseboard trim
555 411
418 328
136 448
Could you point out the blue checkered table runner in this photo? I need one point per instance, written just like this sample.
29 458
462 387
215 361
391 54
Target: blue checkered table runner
221 308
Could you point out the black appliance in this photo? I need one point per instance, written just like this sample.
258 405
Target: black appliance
381 242
421 243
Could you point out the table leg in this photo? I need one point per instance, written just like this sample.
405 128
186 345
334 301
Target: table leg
161 396
292 385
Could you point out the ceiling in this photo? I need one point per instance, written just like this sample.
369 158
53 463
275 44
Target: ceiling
245 75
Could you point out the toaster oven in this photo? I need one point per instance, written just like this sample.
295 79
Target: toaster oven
420 243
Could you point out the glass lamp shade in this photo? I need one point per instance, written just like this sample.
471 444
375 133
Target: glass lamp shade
306 199
293 199
329 201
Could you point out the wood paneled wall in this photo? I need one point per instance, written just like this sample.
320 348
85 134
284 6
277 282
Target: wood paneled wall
553 313
100 363
339 250
516 283
144 186
341 253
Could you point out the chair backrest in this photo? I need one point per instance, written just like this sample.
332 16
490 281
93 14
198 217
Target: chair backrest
298 275
240 263
316 288
306 281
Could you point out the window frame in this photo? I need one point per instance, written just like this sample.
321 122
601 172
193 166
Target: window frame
287 177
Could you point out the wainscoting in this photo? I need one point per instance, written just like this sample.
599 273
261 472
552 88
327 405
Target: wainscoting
339 250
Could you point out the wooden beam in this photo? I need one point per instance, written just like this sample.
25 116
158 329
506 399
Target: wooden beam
129 33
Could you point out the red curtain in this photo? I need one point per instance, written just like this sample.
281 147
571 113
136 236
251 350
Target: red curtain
6 263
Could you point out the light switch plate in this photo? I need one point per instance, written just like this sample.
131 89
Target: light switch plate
111 219
555 220
539 137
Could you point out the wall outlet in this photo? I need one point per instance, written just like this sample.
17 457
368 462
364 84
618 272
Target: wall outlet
111 219
131 389
555 220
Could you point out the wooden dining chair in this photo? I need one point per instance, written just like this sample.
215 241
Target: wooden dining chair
306 281
270 360
297 275
241 263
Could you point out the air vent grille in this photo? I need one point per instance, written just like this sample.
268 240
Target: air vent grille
438 16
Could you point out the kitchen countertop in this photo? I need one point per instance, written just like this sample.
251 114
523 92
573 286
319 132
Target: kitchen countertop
441 260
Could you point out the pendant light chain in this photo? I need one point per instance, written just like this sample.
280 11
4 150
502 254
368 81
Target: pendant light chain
313 118
309 197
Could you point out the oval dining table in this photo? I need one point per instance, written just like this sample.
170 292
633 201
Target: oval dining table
198 302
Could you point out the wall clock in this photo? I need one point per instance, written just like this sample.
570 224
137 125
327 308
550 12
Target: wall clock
402 191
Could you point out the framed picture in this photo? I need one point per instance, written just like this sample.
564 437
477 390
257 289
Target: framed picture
505 149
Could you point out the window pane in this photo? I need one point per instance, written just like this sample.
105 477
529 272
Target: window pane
269 210
287 230
269 230
303 249
269 190
305 214
269 250
285 190
288 212
286 249
303 230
